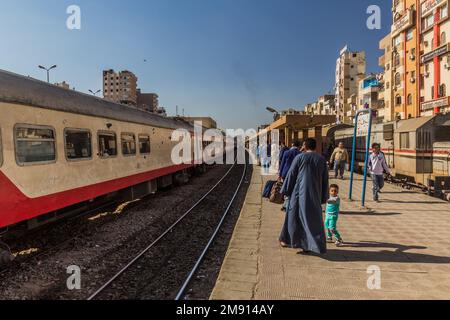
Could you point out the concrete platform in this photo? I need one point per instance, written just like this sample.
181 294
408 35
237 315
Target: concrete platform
406 236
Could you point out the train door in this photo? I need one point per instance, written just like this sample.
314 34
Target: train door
424 156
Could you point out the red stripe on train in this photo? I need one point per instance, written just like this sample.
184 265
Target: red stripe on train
16 207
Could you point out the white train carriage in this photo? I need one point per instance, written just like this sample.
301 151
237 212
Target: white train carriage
417 150
60 149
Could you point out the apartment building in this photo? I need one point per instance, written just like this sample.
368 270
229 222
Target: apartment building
405 60
120 87
435 57
386 83
350 70
147 101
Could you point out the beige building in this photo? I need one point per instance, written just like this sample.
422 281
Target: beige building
120 87
207 122
386 92
323 106
63 85
326 105
147 101
350 70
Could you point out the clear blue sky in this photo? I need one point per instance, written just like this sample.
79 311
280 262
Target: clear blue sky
228 59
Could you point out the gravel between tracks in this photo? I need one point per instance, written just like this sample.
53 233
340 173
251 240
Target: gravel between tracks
103 246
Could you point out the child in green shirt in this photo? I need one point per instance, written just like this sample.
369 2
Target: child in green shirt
332 215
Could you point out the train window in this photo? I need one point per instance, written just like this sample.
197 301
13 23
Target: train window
128 144
34 144
404 140
144 144
388 132
442 134
107 144
78 144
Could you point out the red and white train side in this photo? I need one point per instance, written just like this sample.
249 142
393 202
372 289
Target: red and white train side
61 149
417 150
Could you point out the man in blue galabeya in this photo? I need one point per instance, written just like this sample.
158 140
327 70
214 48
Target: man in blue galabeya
306 185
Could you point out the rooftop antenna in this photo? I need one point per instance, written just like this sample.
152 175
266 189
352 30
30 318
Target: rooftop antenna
177 111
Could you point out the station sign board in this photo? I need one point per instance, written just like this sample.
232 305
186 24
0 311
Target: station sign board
363 125
438 103
429 6
436 53
403 23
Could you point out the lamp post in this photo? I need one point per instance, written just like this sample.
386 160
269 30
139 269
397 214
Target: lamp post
95 93
275 112
48 71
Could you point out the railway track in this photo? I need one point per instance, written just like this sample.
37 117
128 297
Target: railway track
117 286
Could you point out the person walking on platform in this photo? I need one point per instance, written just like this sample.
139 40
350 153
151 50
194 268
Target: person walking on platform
340 158
306 185
288 158
377 167
283 150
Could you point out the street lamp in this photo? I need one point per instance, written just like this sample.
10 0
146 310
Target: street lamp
276 114
95 93
48 71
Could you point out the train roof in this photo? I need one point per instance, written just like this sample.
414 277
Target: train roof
18 89
412 125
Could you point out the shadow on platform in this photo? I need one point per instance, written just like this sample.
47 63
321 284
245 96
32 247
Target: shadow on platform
368 213
411 202
399 255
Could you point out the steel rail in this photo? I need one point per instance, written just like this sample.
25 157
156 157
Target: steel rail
157 240
211 240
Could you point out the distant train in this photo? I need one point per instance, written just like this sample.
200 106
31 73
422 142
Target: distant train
61 151
417 150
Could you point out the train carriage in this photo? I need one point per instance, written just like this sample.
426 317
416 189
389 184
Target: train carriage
60 149
417 150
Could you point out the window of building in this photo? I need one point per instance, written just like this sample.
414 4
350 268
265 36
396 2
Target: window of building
443 38
128 144
35 144
387 85
432 92
398 100
144 144
398 79
442 90
396 59
429 21
410 100
409 34
404 140
444 12
107 144
397 40
78 144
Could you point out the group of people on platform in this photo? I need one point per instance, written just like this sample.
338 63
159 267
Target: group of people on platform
305 177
